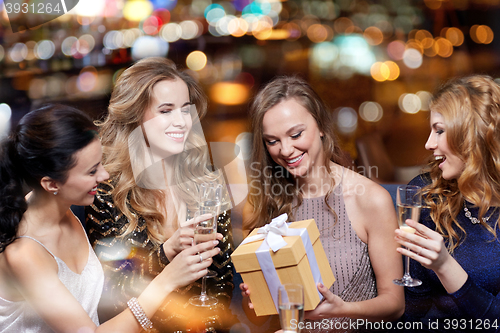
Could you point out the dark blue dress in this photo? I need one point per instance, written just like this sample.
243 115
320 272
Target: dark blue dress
476 305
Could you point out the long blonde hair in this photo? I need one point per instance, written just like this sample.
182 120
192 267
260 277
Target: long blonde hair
130 99
470 107
265 173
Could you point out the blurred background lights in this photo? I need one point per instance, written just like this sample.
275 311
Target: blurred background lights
190 29
409 103
481 34
229 93
346 119
129 36
85 44
196 60
425 99
164 4
137 10
113 40
68 46
87 79
373 36
44 49
149 46
5 115
412 58
151 25
355 52
18 52
371 111
90 8
214 13
171 32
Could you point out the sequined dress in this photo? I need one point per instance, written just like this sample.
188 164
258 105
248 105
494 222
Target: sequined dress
126 278
347 254
476 305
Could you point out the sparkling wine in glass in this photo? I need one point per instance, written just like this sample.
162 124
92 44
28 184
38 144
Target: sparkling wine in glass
291 307
409 203
209 203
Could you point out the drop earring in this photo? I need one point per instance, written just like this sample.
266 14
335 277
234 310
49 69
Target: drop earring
55 193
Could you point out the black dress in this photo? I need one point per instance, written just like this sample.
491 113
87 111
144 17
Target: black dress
131 261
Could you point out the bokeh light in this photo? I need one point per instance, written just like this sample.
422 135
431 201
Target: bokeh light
196 60
18 52
371 111
229 93
409 103
149 46
412 58
346 119
137 10
425 99
44 49
481 34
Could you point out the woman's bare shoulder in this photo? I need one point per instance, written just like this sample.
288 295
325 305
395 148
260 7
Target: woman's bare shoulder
367 192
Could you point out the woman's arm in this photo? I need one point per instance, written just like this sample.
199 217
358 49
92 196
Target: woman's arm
372 215
427 247
35 274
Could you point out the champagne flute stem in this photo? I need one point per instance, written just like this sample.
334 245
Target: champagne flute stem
407 268
204 286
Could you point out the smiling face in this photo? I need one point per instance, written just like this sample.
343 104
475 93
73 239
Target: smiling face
451 165
81 185
168 120
292 137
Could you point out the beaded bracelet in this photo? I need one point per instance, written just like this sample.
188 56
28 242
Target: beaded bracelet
139 314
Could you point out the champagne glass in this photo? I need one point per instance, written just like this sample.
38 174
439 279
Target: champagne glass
209 203
291 307
409 203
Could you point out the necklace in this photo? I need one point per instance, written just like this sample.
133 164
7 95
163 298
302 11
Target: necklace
473 219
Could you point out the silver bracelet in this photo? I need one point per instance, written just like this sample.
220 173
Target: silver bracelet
139 314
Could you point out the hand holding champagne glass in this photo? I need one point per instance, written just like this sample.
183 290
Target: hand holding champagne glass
409 203
209 203
291 307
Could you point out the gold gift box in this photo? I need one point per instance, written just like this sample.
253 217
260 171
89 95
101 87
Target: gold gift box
292 266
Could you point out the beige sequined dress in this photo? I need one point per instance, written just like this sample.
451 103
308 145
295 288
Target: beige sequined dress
347 254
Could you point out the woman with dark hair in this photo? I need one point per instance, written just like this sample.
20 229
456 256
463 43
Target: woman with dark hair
50 278
157 156
457 238
297 169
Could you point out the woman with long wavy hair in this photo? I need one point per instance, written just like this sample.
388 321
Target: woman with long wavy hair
457 237
156 154
50 278
297 168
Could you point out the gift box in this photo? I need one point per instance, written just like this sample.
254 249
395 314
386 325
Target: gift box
284 253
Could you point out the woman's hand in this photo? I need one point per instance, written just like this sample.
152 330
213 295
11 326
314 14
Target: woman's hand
245 293
331 306
190 264
427 247
183 237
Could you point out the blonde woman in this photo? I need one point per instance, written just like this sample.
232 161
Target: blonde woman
457 242
50 278
297 169
156 155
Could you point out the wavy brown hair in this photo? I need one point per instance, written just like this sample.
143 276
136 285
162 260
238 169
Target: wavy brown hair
265 173
129 101
470 107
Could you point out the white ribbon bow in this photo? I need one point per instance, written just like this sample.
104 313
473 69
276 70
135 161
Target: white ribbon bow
272 233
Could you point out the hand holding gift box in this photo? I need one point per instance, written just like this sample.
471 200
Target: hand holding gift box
280 253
